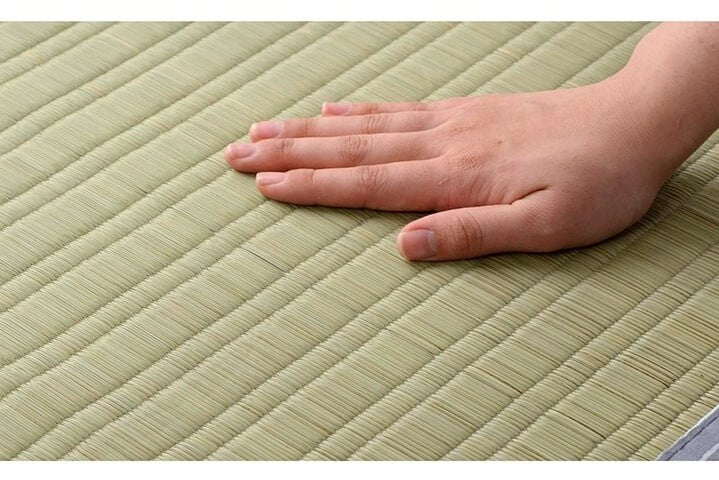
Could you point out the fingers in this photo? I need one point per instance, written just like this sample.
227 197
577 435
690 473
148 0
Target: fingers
330 152
408 186
346 125
476 231
346 108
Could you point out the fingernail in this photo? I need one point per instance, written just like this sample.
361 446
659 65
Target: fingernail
336 108
241 150
269 178
265 129
418 244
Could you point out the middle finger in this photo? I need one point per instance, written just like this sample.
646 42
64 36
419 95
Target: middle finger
331 152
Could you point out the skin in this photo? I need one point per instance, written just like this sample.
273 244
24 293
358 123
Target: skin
531 172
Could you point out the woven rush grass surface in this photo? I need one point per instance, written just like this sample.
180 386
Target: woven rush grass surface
154 305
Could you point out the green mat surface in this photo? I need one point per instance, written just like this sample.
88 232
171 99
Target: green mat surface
155 305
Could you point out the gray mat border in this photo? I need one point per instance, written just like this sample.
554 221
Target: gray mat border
701 442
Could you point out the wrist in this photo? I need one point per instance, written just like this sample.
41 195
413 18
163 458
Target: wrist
668 91
657 124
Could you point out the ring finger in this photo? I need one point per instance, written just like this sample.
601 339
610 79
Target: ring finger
349 125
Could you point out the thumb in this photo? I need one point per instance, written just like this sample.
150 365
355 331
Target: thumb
471 232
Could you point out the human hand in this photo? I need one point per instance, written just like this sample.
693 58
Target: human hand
530 172
533 172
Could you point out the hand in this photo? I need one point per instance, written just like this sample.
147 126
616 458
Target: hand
534 172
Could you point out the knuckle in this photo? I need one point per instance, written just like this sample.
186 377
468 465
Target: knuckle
284 146
290 127
311 175
370 108
313 180
420 121
448 188
466 159
306 127
372 178
461 180
458 128
353 149
373 124
467 234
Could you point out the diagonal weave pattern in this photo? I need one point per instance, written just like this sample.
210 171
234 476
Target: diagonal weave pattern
154 305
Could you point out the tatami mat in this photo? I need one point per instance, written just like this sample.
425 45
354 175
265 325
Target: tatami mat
154 305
